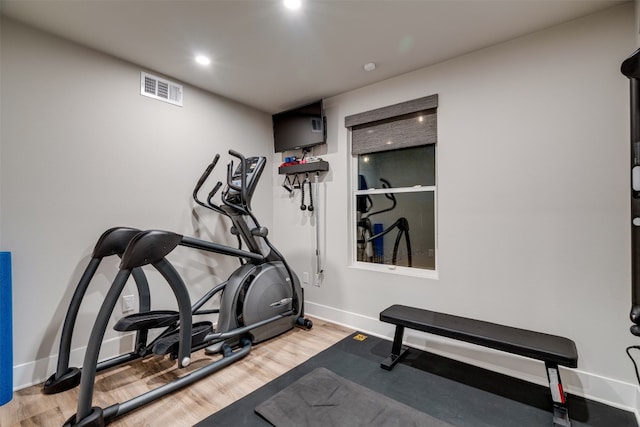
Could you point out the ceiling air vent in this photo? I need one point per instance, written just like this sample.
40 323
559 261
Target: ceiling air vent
161 89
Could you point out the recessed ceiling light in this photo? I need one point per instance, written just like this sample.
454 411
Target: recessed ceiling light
369 66
203 60
292 4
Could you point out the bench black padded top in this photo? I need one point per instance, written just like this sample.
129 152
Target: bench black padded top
536 345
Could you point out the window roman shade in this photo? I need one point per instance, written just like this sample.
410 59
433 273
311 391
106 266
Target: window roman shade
403 125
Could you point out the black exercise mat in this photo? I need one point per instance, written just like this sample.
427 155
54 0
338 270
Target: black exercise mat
324 399
451 391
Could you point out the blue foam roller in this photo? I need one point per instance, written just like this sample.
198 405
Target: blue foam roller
6 327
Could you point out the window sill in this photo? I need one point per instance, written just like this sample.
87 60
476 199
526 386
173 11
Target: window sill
398 270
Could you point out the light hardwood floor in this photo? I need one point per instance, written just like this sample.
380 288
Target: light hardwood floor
265 362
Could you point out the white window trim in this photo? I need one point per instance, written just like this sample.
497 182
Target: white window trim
397 269
414 189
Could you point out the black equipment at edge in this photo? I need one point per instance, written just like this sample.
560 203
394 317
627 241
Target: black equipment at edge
631 69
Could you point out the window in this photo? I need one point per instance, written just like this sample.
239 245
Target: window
394 185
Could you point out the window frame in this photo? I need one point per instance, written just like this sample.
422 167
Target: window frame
372 116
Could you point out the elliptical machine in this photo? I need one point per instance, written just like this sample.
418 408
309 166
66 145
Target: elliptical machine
260 300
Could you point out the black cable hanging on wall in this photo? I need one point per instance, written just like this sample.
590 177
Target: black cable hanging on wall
310 192
292 184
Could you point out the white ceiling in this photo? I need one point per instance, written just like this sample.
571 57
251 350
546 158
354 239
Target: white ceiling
271 58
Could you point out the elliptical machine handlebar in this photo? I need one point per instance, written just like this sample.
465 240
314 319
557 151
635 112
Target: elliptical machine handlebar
242 182
201 181
233 183
213 193
205 175
243 174
239 187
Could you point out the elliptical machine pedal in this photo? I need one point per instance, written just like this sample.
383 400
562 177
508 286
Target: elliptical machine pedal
169 344
147 320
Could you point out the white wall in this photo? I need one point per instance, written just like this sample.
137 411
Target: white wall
83 151
533 202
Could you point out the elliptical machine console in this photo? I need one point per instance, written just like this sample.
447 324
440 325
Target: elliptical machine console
248 171
260 300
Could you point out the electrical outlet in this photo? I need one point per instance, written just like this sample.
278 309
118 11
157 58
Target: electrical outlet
318 279
127 303
305 277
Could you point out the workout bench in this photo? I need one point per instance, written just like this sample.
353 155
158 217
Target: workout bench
551 349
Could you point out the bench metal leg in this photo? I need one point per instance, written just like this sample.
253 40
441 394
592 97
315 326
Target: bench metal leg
560 410
397 351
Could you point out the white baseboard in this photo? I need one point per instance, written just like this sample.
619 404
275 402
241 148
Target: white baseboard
608 391
32 373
